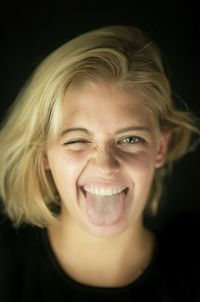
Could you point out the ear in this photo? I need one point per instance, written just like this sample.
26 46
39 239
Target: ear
162 149
45 162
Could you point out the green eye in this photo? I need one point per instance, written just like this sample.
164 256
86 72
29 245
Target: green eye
132 140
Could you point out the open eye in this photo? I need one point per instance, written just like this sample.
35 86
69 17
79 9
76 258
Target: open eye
132 139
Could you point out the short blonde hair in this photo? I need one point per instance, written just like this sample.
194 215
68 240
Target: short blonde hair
118 54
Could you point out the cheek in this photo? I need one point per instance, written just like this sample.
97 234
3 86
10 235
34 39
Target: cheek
74 163
65 169
141 161
141 168
141 171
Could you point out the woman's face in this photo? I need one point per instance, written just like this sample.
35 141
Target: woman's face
104 162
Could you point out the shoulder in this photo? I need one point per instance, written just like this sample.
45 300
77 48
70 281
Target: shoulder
9 260
180 236
8 236
17 247
16 244
13 240
180 253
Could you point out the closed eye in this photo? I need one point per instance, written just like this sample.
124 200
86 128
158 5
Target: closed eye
75 142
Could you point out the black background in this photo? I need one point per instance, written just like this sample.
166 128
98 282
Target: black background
30 31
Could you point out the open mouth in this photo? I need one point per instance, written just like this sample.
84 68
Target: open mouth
104 206
102 191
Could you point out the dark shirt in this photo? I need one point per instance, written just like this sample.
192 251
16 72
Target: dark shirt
29 270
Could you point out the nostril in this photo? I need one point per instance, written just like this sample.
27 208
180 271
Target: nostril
83 190
126 190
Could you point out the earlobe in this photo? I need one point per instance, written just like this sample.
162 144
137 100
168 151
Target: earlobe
162 151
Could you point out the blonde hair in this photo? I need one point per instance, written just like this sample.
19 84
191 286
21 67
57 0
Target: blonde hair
119 54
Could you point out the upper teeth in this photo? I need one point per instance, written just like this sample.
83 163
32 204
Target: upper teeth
103 191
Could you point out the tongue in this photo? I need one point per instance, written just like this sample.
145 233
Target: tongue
104 210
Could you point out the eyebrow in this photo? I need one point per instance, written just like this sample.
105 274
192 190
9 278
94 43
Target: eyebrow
120 131
134 128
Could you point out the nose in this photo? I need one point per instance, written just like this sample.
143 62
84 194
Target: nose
106 162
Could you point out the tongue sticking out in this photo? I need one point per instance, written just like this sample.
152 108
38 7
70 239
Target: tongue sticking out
105 210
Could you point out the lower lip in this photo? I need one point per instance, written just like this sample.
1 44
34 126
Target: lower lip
104 211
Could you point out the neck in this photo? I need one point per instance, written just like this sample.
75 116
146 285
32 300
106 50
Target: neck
92 260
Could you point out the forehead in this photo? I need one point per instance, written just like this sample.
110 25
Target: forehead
104 105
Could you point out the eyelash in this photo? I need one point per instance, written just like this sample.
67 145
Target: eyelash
75 142
137 140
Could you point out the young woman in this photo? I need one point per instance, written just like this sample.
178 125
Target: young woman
82 157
